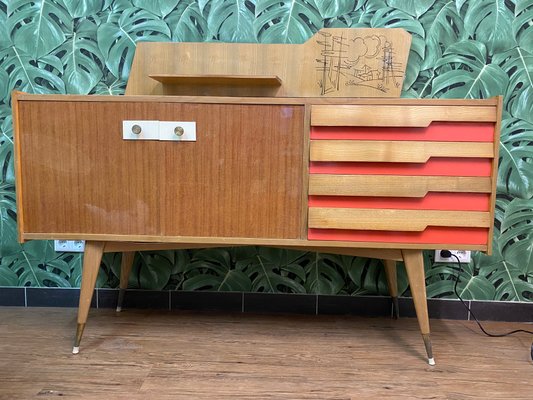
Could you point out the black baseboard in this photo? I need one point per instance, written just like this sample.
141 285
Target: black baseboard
310 304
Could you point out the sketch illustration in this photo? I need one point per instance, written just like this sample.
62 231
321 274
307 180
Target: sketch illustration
357 61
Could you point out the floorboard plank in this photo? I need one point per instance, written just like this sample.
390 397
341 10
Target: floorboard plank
144 354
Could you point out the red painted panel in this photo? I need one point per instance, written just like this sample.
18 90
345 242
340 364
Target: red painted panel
434 167
432 201
432 235
437 131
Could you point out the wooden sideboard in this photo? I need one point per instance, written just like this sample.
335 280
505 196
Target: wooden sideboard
382 178
220 144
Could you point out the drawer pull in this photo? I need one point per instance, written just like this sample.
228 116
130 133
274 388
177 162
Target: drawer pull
394 186
394 220
398 115
395 151
177 131
140 130
136 129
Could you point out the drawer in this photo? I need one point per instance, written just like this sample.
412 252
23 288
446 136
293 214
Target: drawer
436 131
398 115
394 186
431 201
436 236
433 167
394 220
395 151
419 174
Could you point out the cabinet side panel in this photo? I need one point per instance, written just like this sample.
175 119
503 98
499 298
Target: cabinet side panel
80 176
18 171
241 178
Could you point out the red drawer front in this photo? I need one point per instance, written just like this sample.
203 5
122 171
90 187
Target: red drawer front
434 167
432 201
437 131
432 235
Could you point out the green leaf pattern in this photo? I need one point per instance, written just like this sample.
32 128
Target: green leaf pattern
37 27
466 73
515 171
231 21
489 21
286 21
187 24
460 49
117 38
522 26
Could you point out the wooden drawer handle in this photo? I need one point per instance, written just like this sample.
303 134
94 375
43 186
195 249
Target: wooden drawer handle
395 151
394 220
398 115
394 186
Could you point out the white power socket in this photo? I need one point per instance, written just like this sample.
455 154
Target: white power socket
464 256
75 246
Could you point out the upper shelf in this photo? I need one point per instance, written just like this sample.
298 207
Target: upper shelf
218 80
335 62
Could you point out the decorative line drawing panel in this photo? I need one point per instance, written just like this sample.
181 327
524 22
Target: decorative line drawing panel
357 61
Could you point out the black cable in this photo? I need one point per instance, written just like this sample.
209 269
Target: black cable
448 254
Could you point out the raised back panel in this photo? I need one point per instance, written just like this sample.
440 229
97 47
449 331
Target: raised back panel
332 63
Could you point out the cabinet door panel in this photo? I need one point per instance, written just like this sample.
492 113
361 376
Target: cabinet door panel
243 176
79 176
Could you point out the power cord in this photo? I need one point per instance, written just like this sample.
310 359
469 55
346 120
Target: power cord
449 254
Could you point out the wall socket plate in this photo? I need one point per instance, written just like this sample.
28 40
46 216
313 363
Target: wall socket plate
74 246
465 256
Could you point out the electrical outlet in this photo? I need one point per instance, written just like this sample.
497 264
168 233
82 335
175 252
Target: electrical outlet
463 255
75 246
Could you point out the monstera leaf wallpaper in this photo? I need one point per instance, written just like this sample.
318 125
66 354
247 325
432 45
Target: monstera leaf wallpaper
460 49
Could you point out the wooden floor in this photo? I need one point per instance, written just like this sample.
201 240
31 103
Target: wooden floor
170 355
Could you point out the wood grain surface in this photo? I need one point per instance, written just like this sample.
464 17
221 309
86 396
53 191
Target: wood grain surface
80 175
312 68
118 206
136 97
394 220
196 242
395 151
417 115
394 186
495 161
218 80
242 177
143 354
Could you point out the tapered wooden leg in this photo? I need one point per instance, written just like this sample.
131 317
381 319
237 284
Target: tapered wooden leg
392 281
125 269
91 264
414 264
